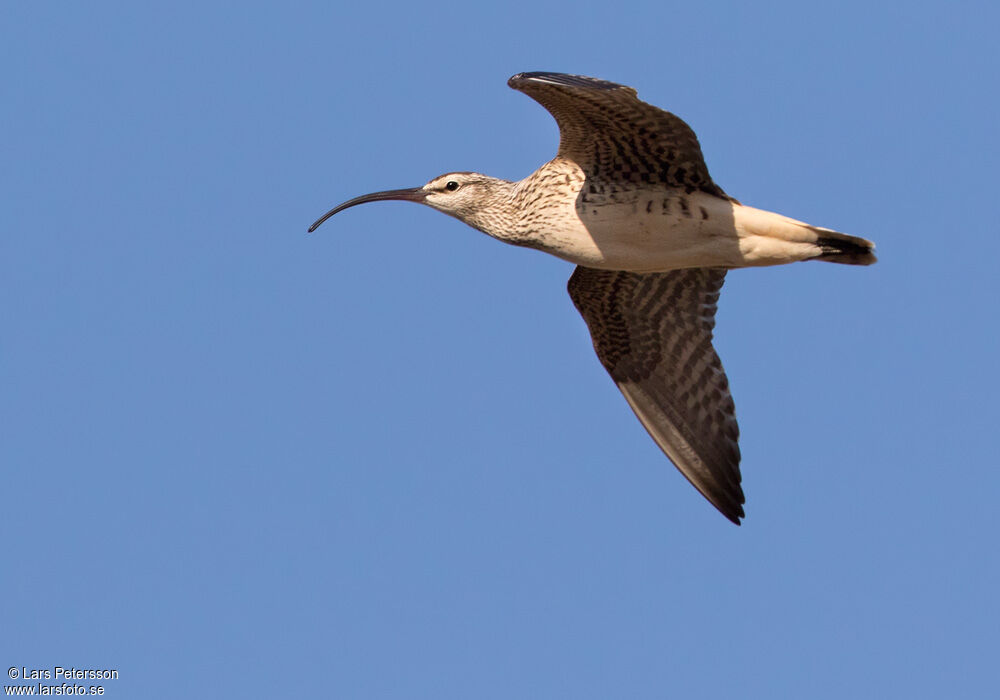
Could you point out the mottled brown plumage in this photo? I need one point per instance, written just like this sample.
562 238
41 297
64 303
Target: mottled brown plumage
653 334
629 199
615 137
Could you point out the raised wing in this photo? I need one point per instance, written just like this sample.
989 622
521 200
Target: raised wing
653 333
613 135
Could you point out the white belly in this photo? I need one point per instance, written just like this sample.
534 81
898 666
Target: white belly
671 231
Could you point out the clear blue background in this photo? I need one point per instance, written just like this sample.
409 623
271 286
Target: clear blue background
382 460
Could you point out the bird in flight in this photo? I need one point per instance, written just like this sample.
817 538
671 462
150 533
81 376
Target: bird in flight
629 200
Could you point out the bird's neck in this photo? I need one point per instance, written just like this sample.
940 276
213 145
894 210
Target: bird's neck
498 214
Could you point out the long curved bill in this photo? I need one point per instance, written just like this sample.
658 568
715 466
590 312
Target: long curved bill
412 194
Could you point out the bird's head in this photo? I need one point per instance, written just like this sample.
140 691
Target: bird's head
478 200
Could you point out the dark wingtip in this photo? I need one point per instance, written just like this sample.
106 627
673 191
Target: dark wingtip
563 79
732 511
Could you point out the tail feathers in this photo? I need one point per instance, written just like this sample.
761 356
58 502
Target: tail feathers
840 248
767 238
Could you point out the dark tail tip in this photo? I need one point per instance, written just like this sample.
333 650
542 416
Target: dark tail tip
844 249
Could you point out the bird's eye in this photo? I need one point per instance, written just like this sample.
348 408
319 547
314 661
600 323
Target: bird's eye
451 186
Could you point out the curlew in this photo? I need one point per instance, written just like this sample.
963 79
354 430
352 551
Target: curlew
629 200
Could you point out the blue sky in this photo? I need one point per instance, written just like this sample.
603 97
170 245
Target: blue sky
383 461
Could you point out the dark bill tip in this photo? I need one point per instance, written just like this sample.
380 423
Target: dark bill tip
412 194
